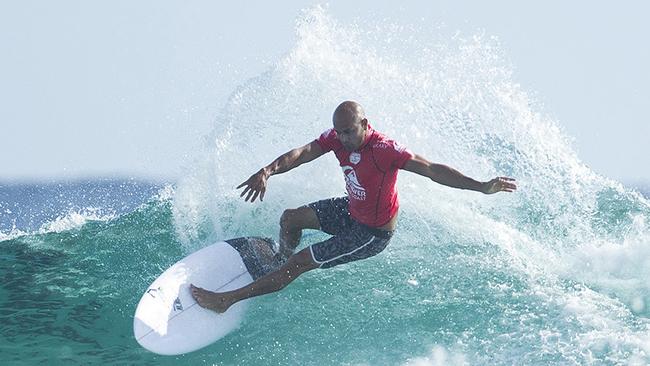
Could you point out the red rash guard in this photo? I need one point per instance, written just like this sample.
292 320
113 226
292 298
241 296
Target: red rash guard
370 175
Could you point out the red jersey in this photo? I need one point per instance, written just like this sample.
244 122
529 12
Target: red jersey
370 175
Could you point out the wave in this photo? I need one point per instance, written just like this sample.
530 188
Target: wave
575 240
554 273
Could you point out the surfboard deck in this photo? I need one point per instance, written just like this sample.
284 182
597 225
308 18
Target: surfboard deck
168 321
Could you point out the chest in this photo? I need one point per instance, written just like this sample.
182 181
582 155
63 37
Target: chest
360 165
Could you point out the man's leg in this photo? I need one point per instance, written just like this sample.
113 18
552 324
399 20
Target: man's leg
292 222
220 302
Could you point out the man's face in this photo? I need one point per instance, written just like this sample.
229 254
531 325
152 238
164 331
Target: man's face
351 133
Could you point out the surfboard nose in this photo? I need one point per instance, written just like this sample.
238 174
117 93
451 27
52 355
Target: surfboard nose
168 321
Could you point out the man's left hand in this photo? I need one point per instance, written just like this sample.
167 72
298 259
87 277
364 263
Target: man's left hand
499 184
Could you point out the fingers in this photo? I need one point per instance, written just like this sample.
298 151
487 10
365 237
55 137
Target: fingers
506 184
502 184
250 193
254 193
244 192
259 192
255 187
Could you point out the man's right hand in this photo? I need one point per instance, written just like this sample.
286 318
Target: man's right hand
255 185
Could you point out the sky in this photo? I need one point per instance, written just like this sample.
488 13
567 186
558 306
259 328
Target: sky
130 88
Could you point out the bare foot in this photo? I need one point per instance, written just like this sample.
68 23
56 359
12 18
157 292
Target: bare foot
218 302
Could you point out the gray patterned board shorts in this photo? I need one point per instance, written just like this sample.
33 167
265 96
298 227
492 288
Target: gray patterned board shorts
351 240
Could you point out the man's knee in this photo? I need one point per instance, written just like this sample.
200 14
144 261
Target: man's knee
288 220
298 219
301 262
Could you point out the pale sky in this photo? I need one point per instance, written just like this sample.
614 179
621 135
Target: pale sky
129 88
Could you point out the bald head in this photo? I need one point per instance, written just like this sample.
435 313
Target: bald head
350 124
348 112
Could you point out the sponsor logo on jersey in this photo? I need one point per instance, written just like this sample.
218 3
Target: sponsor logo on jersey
354 188
389 145
355 158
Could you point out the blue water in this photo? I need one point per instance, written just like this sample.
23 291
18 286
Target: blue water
556 273
27 206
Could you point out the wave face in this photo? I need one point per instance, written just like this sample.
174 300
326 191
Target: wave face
556 273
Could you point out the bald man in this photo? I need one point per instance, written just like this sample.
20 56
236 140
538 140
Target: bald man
361 223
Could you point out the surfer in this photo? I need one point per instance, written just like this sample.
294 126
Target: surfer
363 222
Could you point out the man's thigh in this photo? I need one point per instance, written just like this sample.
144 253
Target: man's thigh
332 214
302 217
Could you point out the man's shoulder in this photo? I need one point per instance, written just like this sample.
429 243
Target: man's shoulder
328 134
383 142
328 141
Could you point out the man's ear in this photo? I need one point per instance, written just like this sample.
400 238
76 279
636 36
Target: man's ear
364 123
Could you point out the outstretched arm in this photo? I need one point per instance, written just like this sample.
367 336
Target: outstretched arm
448 176
256 184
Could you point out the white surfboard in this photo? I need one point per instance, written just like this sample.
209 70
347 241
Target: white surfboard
168 321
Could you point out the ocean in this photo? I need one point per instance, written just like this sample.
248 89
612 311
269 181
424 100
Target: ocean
554 274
